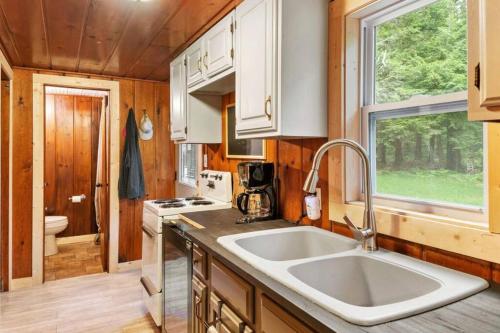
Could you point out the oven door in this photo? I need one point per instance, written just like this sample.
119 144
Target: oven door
177 270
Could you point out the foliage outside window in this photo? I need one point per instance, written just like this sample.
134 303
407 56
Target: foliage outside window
426 152
188 164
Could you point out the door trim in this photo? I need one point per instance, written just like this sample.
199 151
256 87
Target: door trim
6 239
39 81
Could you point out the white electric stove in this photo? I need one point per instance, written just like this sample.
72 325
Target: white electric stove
215 192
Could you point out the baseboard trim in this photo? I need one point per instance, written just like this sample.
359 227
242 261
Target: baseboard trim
129 265
21 283
75 239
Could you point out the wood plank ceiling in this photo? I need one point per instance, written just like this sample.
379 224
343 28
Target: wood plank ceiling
126 38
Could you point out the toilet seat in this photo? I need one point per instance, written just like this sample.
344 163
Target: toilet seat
56 221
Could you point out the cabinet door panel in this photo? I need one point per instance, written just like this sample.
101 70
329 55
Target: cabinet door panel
218 43
178 99
255 31
484 57
226 321
194 69
199 305
275 319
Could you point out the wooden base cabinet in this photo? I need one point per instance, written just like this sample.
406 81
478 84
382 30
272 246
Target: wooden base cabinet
199 303
276 319
224 301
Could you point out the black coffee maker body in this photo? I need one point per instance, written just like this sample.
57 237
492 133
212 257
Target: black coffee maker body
258 202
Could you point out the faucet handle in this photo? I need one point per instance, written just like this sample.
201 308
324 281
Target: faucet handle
355 231
359 234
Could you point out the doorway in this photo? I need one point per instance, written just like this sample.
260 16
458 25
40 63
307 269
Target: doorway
75 182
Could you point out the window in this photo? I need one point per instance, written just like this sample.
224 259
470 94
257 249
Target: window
188 164
423 150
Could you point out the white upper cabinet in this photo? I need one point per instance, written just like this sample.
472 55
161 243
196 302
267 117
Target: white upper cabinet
281 68
484 59
255 66
219 46
178 98
194 66
193 118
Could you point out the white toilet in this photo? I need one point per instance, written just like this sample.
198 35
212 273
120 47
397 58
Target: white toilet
53 226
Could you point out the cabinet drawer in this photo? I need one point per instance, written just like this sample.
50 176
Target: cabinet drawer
199 261
238 292
276 319
224 319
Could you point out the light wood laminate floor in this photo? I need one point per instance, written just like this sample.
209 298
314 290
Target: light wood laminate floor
103 302
72 260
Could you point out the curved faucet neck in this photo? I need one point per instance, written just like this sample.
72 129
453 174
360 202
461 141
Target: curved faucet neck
369 243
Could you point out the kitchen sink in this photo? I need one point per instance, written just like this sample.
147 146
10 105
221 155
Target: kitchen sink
363 281
365 288
293 243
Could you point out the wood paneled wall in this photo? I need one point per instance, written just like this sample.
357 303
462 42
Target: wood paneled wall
292 158
158 158
71 143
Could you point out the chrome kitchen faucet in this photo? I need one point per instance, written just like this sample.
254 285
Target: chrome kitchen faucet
368 234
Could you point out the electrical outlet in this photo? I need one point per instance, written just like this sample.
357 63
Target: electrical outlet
318 194
205 160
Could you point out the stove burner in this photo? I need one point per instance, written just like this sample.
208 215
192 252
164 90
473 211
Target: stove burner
202 203
167 201
193 198
172 205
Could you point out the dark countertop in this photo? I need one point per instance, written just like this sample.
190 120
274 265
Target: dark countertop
479 313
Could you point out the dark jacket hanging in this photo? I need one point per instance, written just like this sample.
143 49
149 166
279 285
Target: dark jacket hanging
131 182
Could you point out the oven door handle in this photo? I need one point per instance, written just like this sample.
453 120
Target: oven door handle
148 286
148 231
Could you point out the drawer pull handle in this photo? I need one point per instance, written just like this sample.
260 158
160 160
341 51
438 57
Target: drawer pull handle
205 60
197 307
148 286
266 111
147 231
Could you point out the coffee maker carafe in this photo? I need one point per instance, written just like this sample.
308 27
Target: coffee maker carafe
258 202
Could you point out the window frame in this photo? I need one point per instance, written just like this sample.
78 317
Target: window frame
181 179
447 102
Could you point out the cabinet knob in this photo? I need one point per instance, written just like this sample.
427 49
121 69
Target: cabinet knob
266 110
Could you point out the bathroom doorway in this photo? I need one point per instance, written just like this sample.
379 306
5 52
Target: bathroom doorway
75 181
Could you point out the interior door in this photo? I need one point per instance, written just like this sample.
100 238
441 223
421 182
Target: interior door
255 100
70 159
194 69
178 119
102 184
218 45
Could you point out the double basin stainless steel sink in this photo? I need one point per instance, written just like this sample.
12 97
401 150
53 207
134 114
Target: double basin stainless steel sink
335 273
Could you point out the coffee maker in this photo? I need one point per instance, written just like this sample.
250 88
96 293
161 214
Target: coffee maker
258 202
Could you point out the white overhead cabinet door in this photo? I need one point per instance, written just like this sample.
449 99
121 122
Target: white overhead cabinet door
178 99
219 48
194 69
255 33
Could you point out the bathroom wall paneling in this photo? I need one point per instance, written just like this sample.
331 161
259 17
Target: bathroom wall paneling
4 173
130 223
71 142
292 158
